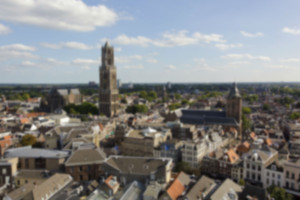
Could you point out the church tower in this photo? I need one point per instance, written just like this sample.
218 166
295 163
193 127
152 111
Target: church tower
234 105
108 91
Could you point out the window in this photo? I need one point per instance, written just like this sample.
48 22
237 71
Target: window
248 166
253 167
273 175
258 178
293 175
253 176
292 185
248 175
287 185
278 176
267 181
26 163
287 174
4 171
259 168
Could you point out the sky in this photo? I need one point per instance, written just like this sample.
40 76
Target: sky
59 41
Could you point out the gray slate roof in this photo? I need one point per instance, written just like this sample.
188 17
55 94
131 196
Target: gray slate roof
86 157
202 188
28 152
137 165
199 117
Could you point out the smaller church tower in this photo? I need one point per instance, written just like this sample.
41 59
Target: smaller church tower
234 105
108 91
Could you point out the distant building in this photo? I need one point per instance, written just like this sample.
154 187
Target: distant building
231 117
119 83
234 105
59 98
92 84
108 92
169 85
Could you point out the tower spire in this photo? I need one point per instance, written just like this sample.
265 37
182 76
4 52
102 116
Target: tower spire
234 91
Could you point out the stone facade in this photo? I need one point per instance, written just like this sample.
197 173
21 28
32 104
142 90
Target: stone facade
108 92
59 98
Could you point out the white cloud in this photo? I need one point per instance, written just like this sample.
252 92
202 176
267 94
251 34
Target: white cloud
251 35
56 62
28 63
171 67
133 58
71 45
57 14
134 67
85 67
80 61
246 56
180 38
17 47
152 60
224 46
4 29
118 49
290 60
239 63
125 40
6 55
14 51
293 31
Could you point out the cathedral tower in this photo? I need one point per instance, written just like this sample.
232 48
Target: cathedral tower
108 91
234 105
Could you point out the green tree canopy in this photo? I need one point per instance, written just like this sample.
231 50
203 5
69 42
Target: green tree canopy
28 140
278 193
246 110
266 107
84 108
294 116
183 166
137 108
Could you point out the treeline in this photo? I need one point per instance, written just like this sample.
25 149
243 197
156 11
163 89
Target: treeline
85 108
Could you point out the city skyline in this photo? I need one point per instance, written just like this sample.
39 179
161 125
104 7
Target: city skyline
199 41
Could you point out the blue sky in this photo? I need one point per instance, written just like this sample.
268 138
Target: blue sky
59 41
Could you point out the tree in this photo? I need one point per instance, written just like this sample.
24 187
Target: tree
143 94
138 108
177 96
242 182
152 95
28 140
84 108
278 193
184 102
266 107
246 124
246 110
294 116
174 106
183 166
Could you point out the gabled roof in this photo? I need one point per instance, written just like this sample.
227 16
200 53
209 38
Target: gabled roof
28 152
86 157
206 117
137 165
227 190
232 156
202 188
179 185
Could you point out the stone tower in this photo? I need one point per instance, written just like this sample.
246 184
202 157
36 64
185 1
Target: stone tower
108 91
234 105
